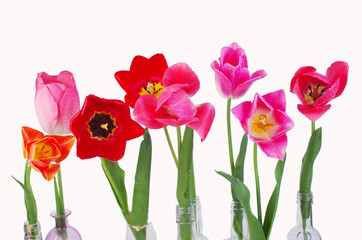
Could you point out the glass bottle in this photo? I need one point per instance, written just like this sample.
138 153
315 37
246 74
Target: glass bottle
304 228
189 220
145 233
62 229
32 231
239 229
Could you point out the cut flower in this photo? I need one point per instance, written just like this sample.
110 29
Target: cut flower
102 128
143 78
265 122
45 152
315 90
232 76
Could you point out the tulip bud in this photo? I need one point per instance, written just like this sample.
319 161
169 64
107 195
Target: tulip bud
56 101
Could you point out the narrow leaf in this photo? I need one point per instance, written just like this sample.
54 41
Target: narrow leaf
30 203
184 169
115 176
239 165
141 190
242 193
274 199
310 155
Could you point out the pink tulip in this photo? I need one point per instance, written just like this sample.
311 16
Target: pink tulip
56 101
315 90
232 76
265 122
174 106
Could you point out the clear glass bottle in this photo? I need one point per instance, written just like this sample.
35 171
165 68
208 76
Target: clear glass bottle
146 233
304 229
62 229
189 221
239 229
32 231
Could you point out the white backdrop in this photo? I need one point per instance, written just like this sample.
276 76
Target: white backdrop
94 39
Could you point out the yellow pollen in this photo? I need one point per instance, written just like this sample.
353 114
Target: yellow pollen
104 126
261 125
154 89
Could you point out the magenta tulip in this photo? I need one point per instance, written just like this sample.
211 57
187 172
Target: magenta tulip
265 122
174 107
315 90
56 101
232 76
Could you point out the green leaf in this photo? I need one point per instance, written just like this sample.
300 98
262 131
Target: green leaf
239 165
241 192
141 190
184 169
310 155
30 203
115 176
274 199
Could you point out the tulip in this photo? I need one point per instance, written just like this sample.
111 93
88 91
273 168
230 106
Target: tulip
174 107
45 152
232 77
265 122
56 101
315 90
102 128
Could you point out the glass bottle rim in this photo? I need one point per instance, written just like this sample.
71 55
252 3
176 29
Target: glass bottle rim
67 212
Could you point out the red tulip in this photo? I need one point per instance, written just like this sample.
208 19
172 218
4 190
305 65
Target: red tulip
315 90
102 128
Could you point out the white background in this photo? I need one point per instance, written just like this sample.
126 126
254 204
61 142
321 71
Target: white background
94 39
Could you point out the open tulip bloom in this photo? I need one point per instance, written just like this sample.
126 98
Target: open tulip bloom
44 154
315 91
161 97
102 128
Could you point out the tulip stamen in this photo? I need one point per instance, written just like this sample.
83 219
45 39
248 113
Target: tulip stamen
314 92
101 125
261 125
154 89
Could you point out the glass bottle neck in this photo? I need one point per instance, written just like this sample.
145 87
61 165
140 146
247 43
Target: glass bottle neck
32 231
239 224
61 221
304 209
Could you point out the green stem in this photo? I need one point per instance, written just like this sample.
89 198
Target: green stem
229 136
170 145
257 183
313 126
60 188
179 141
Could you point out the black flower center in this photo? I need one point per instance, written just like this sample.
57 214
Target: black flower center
101 125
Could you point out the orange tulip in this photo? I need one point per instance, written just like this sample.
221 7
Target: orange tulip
45 152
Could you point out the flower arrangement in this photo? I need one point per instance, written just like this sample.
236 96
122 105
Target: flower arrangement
158 96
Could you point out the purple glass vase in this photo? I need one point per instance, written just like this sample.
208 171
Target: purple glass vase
62 229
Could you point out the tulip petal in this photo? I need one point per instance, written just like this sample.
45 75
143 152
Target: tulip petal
301 71
275 148
145 112
223 84
46 109
65 144
276 99
203 120
29 135
338 71
181 73
312 113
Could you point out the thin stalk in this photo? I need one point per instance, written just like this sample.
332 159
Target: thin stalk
313 126
60 188
170 145
257 183
179 141
231 156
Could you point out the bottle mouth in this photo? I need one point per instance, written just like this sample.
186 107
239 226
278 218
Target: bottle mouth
305 197
67 212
